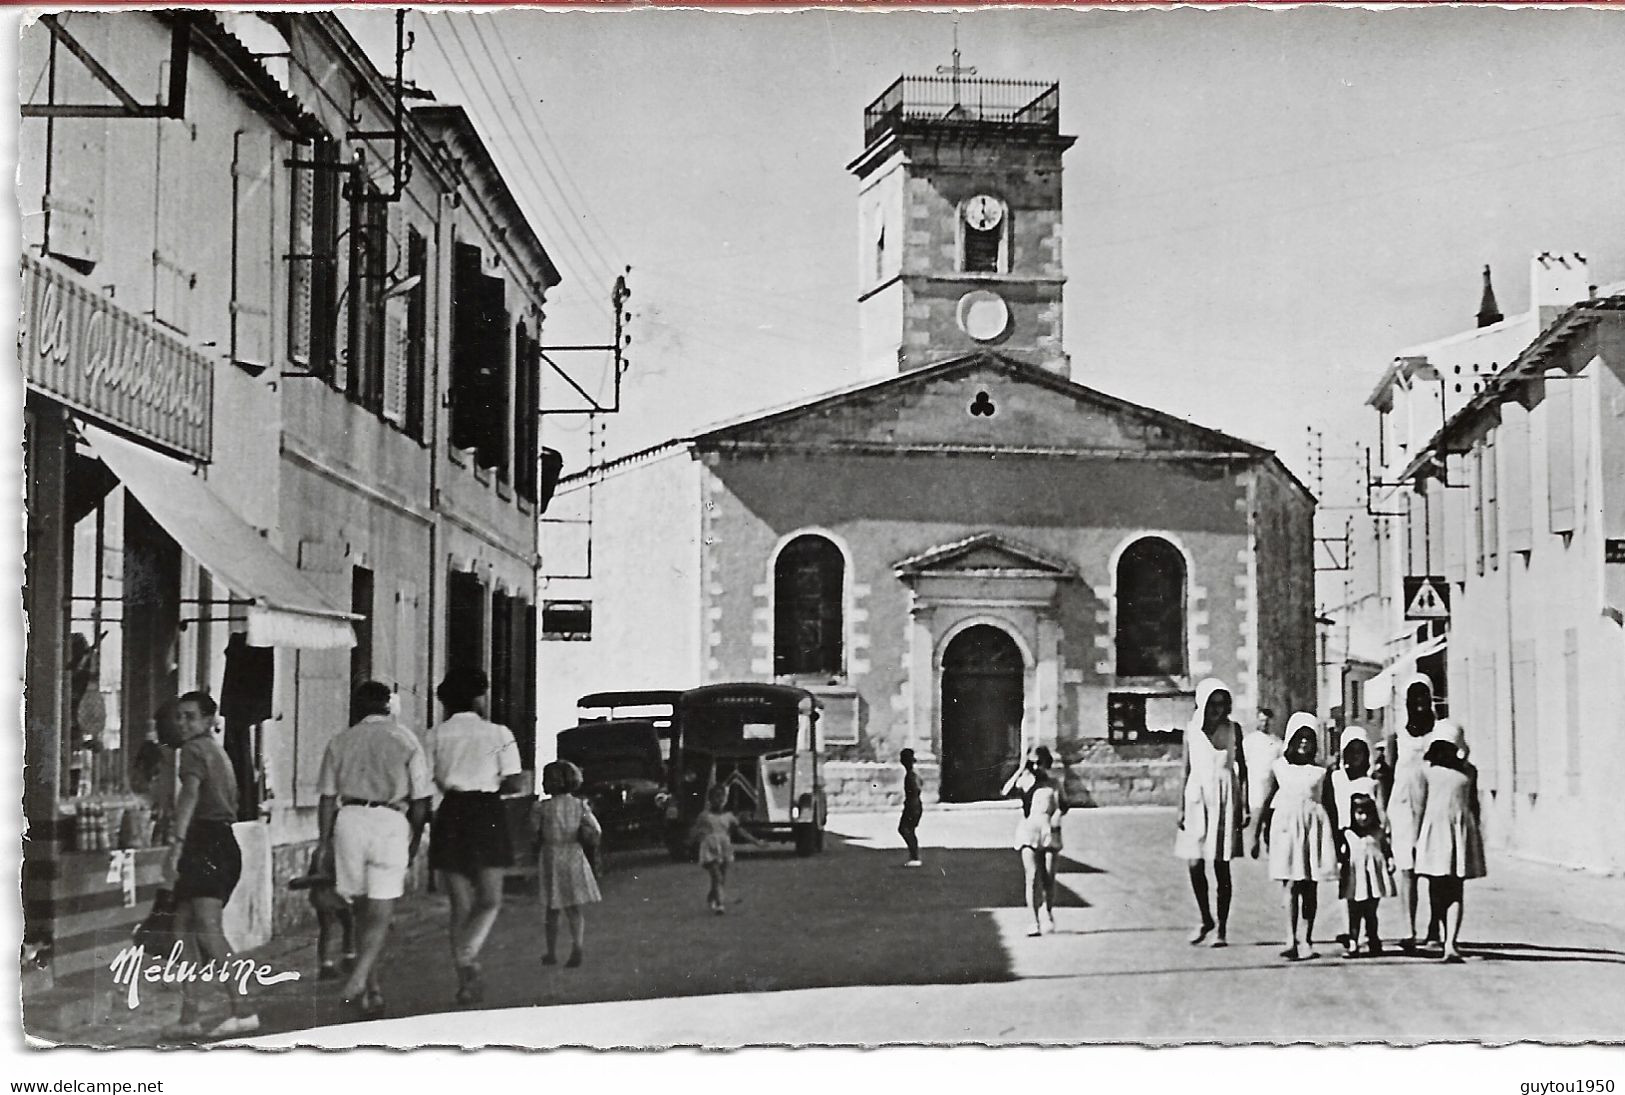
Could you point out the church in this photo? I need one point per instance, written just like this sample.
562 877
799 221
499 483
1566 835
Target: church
966 553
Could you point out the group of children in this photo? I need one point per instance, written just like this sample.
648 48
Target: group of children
1371 828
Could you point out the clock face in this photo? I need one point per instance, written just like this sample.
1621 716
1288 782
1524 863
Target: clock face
983 212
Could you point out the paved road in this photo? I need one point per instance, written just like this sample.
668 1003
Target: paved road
849 948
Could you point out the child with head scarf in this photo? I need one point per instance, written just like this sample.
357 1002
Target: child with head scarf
1212 809
1303 850
1368 872
1353 777
1449 841
1409 796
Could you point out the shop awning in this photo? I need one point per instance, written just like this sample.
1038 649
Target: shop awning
286 609
1377 691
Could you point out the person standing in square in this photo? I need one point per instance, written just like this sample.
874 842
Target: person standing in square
913 809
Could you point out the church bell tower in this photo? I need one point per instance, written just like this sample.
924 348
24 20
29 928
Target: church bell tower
960 215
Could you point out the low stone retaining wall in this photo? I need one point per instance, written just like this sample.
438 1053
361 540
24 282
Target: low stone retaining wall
1103 780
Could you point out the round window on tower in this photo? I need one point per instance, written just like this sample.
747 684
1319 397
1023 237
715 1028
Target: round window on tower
983 315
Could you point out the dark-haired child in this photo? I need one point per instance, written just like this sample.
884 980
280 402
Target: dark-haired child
1368 872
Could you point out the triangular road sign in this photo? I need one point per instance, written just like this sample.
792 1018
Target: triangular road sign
1428 602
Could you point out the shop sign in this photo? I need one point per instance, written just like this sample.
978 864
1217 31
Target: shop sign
1613 551
82 349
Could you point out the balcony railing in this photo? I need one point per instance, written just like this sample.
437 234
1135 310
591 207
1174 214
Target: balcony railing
1030 105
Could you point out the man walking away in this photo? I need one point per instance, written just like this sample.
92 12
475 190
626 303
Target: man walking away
375 791
205 862
913 809
1259 750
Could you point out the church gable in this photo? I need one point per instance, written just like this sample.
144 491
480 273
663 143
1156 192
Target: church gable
984 553
982 402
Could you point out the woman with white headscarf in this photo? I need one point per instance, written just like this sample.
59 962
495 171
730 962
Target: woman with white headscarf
1212 809
1303 848
1449 842
1408 799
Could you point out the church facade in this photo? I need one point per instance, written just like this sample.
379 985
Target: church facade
967 553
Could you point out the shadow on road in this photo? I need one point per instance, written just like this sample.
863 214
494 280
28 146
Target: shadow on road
850 916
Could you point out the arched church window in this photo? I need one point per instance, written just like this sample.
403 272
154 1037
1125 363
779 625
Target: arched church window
807 596
985 226
1151 610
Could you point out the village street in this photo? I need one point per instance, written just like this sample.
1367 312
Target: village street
849 948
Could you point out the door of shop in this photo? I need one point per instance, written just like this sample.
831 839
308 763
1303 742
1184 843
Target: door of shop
982 701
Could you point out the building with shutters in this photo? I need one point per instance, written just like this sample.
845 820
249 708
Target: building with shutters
1506 448
280 340
968 552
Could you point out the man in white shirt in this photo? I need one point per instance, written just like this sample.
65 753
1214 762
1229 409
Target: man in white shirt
1260 747
375 792
473 761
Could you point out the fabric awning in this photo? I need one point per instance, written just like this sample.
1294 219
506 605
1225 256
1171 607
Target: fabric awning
287 609
1377 691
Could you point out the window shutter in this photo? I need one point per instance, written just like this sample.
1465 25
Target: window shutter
1525 716
1492 502
74 201
1476 488
323 677
395 361
1454 534
417 262
1515 497
252 248
301 260
407 641
1559 407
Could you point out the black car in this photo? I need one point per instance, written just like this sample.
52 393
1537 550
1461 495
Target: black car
623 777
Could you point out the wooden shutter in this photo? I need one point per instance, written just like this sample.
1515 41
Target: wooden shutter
301 257
1453 534
466 345
1559 408
78 174
252 249
406 644
323 677
1492 501
395 361
1525 719
1476 496
1571 706
417 263
1515 499
1485 729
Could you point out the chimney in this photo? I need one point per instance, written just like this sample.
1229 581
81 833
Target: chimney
1557 283
1488 311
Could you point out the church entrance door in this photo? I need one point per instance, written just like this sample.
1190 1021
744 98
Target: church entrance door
982 702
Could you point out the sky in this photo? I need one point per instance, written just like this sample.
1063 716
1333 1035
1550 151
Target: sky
1260 209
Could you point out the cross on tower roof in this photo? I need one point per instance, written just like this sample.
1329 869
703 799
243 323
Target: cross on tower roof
956 70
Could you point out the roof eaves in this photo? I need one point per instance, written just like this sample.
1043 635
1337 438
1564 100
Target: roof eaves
1531 362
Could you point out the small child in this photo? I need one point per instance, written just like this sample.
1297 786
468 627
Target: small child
567 838
332 910
714 831
1368 873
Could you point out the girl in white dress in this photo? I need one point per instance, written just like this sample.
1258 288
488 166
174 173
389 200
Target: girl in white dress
1213 808
1303 850
1368 872
567 837
1353 777
1449 842
1408 798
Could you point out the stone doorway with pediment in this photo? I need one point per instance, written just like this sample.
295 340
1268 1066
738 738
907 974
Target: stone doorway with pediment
985 657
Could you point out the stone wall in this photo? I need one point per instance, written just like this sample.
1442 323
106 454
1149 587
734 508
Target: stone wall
1103 774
